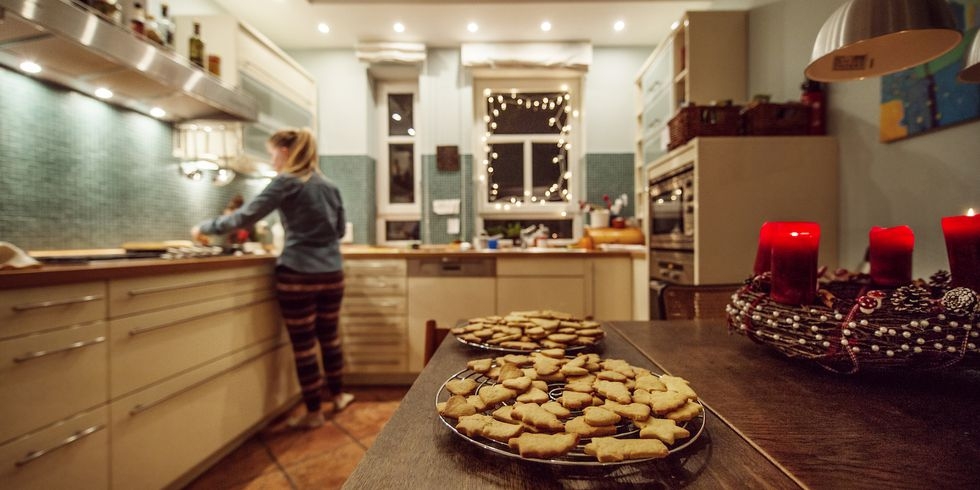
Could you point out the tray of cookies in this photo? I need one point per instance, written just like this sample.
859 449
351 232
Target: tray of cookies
528 331
579 410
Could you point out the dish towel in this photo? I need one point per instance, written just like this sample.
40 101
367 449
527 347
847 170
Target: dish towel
12 257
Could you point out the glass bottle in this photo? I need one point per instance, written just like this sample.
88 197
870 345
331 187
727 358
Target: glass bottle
166 26
137 21
195 47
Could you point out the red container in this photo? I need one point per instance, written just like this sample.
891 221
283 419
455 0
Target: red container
795 247
891 255
963 249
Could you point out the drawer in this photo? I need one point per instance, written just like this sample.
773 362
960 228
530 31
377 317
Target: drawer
48 376
73 453
162 432
372 323
140 294
370 305
374 342
150 347
375 286
375 362
371 267
541 267
29 310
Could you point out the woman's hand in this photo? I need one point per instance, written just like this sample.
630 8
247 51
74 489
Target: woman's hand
198 236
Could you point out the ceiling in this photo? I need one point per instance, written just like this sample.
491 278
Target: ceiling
293 24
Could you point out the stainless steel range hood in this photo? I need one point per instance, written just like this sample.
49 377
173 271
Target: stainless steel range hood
80 50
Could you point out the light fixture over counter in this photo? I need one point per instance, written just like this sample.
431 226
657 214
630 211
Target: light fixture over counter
869 38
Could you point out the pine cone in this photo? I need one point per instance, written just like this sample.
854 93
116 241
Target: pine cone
960 302
913 299
939 282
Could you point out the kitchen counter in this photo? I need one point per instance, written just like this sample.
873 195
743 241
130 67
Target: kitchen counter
51 274
415 446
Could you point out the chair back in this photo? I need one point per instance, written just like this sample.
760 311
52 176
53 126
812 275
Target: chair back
697 302
433 338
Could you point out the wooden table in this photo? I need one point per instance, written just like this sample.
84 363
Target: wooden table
416 450
870 430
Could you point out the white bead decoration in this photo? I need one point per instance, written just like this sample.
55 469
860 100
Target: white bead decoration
815 328
971 346
852 324
954 323
905 347
917 350
826 344
838 316
950 337
878 333
920 341
889 353
875 348
796 318
843 341
864 323
907 334
951 349
802 341
914 324
924 323
937 329
938 346
846 332
891 331
823 318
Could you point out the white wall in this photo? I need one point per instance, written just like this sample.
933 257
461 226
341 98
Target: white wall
345 98
190 7
915 182
609 98
446 93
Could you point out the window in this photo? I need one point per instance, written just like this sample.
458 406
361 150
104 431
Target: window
399 190
526 157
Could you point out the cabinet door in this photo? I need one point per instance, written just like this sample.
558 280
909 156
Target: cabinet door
612 288
139 294
32 309
49 376
73 453
165 431
567 294
447 300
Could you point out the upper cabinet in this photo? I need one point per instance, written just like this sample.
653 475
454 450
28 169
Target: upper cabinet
703 60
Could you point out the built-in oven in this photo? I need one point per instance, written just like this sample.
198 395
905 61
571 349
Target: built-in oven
671 214
672 204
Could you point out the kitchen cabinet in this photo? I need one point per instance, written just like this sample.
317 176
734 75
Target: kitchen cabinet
612 292
167 430
552 283
72 453
27 310
373 317
703 60
741 182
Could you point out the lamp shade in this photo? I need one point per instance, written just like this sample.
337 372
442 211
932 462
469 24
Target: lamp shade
867 38
971 70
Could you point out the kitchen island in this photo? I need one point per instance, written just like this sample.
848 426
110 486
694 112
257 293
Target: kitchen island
771 422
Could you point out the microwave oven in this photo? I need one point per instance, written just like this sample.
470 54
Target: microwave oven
672 204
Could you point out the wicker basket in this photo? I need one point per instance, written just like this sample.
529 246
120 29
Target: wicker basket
765 119
694 120
846 332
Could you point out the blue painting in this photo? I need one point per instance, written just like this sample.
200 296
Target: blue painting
928 97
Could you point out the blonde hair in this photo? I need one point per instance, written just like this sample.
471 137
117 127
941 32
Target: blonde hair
302 159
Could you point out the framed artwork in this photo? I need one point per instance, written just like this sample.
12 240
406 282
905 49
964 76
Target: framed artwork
928 97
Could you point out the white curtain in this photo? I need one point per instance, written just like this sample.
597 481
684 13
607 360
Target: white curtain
575 56
378 53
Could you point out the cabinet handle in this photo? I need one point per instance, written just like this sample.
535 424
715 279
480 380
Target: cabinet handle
152 328
57 302
33 455
142 407
30 356
164 289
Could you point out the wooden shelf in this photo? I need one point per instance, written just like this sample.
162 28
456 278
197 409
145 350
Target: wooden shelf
681 76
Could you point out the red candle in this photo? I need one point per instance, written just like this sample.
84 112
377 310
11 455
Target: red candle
963 249
763 256
891 255
794 262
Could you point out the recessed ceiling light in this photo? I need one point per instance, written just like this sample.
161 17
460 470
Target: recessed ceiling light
619 25
323 28
398 27
675 25
158 112
472 27
103 93
30 67
546 26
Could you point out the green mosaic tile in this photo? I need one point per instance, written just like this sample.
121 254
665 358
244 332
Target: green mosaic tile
447 185
354 175
609 174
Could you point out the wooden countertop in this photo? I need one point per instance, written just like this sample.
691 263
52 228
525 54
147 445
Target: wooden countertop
416 448
870 430
97 270
51 274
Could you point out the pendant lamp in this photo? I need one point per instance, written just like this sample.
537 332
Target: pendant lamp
971 70
869 38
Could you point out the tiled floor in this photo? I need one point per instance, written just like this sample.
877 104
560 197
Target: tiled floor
281 458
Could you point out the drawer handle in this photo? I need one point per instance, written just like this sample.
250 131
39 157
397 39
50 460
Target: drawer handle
152 328
142 407
58 302
33 455
177 287
30 356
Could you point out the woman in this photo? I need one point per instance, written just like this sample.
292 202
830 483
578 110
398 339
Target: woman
309 272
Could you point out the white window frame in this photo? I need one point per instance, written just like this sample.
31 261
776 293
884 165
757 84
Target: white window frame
527 210
388 211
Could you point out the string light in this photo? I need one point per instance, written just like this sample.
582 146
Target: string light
557 108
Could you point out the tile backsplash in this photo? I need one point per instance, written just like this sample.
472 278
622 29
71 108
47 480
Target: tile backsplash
610 174
354 175
79 173
441 184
